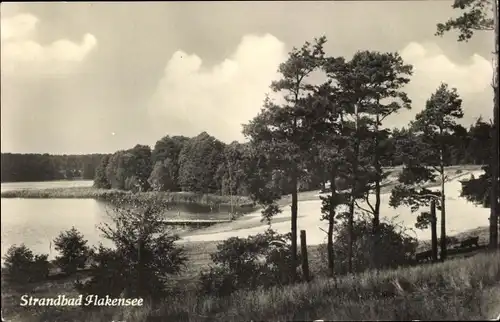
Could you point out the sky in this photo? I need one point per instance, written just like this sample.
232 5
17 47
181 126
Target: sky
98 77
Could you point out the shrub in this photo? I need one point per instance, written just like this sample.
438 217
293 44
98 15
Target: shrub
397 247
108 274
74 251
247 263
22 266
144 257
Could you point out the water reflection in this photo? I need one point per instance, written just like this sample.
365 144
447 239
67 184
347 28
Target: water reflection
36 222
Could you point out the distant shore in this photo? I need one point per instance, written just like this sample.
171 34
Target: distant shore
110 194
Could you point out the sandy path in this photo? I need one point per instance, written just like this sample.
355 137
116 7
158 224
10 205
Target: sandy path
461 216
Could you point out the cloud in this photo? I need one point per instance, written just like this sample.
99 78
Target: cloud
432 67
190 98
21 53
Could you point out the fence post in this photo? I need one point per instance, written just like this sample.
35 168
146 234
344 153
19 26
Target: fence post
434 231
303 250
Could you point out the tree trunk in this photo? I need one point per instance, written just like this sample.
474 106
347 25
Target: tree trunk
353 194
434 237
494 207
376 213
331 259
443 213
331 221
351 237
294 224
305 261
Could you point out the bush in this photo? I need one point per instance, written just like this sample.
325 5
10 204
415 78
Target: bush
74 251
22 266
108 274
247 263
396 247
145 254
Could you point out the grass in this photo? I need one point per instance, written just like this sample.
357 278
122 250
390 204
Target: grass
452 290
460 289
109 194
482 232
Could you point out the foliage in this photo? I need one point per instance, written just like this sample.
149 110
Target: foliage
73 249
145 255
284 133
168 147
142 166
167 151
21 266
160 179
480 141
231 172
18 167
476 16
477 190
130 169
470 147
199 160
399 247
176 198
458 289
423 150
101 180
247 263
370 88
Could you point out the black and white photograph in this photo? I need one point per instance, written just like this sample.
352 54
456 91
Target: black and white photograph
200 161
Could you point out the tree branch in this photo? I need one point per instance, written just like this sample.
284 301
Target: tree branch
436 168
364 209
323 230
368 203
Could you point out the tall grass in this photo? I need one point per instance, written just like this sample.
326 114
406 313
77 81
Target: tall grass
460 289
450 290
112 194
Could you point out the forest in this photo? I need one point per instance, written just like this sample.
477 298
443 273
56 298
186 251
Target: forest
17 167
204 164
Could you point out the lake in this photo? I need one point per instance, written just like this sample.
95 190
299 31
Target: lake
35 222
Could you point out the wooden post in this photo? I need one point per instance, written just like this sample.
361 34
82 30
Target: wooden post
303 250
434 231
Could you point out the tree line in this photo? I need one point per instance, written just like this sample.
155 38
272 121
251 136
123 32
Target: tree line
204 164
18 167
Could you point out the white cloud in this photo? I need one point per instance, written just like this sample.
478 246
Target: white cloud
190 99
21 53
432 67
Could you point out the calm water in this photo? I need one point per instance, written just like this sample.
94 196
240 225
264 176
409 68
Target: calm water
35 222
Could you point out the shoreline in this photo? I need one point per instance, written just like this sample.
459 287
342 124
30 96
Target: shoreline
109 194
